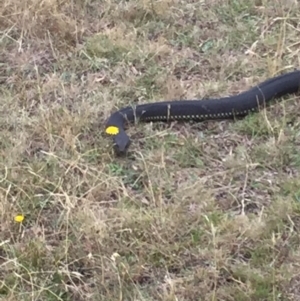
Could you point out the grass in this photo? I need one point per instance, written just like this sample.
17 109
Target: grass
194 212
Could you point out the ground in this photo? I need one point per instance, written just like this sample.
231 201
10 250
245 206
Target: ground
206 211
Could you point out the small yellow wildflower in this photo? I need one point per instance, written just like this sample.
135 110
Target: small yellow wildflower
19 218
112 130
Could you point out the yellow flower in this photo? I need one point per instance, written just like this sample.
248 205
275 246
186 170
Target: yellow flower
112 130
19 218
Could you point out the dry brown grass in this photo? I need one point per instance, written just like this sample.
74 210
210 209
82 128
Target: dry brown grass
194 212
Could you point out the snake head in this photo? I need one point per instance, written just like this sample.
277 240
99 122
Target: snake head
120 138
121 142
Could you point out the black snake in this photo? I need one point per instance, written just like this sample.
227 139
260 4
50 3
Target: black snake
199 110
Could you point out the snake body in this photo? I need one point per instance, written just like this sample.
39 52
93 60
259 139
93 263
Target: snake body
229 107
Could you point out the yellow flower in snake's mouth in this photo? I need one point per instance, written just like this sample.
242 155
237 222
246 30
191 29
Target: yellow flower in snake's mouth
112 130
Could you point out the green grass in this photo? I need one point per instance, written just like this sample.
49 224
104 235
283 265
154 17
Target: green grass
194 211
